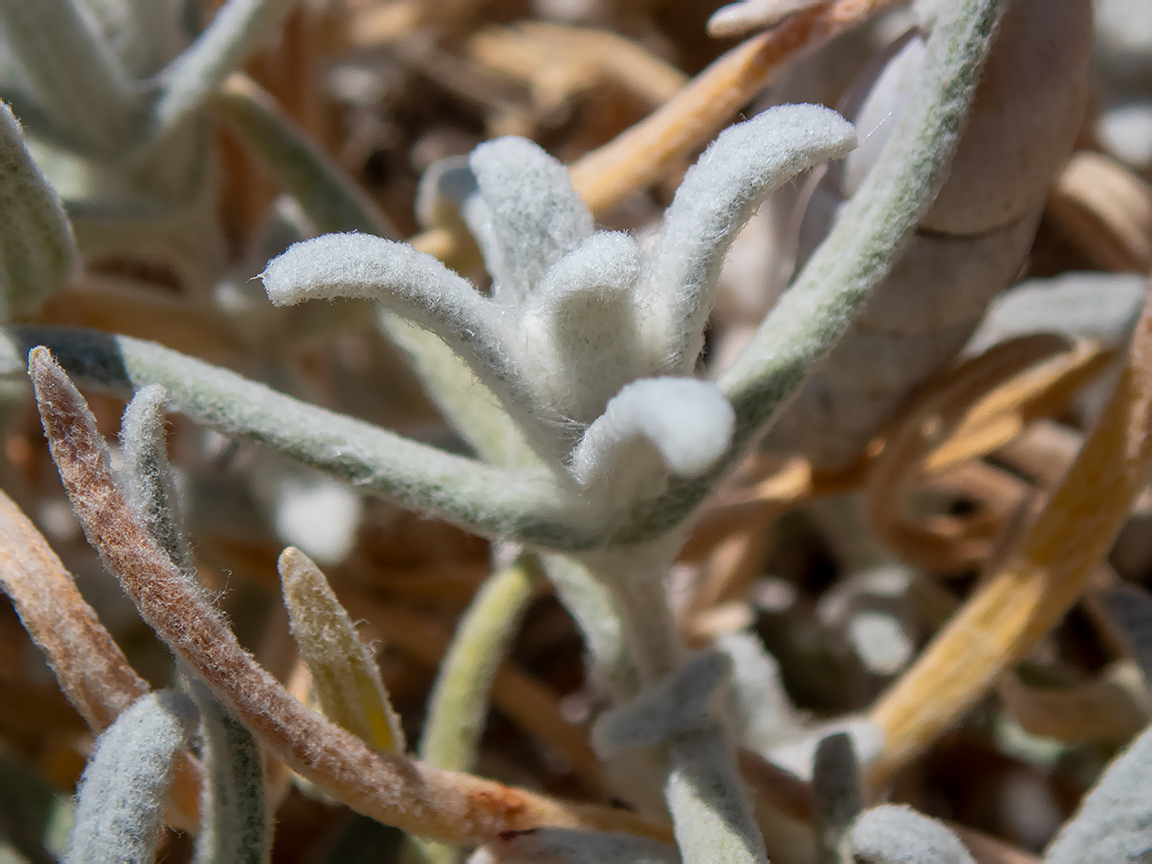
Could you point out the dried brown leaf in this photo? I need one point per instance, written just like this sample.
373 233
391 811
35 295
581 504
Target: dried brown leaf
397 791
1045 575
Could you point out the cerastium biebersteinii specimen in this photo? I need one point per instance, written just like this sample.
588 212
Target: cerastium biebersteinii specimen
116 102
585 352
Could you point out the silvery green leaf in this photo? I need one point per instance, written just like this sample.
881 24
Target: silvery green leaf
762 711
122 791
148 476
1114 822
744 165
577 340
424 291
37 249
235 30
143 34
675 705
234 825
1098 306
531 216
73 73
328 197
891 834
653 428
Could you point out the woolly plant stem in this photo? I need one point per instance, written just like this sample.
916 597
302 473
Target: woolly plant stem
87 91
467 493
858 253
234 818
1045 576
408 794
712 816
458 704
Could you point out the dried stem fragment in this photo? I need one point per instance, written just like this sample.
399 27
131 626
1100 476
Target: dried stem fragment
940 543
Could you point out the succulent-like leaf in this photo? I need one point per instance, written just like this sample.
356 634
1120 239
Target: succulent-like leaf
122 791
533 217
578 338
653 428
37 249
1114 822
745 164
891 834
345 677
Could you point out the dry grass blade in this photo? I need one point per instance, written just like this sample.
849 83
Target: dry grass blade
1001 416
117 305
90 667
397 791
622 59
791 487
639 156
636 158
942 543
1045 574
1106 210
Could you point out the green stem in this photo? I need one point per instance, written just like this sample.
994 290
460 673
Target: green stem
458 705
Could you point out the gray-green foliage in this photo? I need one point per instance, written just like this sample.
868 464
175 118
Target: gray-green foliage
234 820
586 344
116 105
36 244
121 797
892 834
234 826
1114 822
